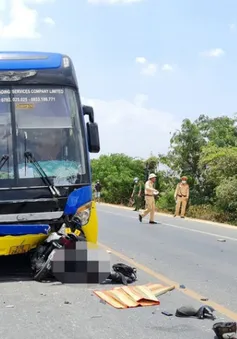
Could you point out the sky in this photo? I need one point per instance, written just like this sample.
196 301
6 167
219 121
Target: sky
144 65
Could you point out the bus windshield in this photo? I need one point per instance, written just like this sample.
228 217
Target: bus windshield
46 122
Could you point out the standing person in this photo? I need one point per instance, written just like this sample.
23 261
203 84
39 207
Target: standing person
98 188
181 196
136 194
150 191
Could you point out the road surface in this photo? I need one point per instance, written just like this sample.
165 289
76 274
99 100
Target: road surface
176 251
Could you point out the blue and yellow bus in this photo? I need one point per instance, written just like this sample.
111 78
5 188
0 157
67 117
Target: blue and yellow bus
45 143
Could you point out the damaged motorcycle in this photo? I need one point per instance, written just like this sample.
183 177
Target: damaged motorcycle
66 237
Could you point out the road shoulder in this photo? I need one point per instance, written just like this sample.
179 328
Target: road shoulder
171 216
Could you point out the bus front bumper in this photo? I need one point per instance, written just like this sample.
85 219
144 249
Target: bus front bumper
20 238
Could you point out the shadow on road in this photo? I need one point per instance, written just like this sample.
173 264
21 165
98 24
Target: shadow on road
15 268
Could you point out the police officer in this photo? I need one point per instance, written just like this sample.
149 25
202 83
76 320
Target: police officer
136 194
181 196
150 192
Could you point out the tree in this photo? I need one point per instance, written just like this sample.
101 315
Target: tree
187 143
218 163
220 131
116 173
205 150
226 197
184 154
152 163
192 148
218 156
151 166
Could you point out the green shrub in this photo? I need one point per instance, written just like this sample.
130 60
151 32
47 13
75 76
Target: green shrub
116 173
166 202
208 212
226 195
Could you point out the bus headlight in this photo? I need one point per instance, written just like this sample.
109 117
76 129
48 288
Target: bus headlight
83 213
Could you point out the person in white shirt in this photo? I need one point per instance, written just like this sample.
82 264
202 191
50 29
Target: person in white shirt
150 192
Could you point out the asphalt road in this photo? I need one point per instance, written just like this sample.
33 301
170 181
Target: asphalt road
174 251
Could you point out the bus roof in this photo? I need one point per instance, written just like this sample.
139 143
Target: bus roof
25 60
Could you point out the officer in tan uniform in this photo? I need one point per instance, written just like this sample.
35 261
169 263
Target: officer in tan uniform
181 196
150 192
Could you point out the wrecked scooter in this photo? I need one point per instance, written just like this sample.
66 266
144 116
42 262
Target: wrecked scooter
42 258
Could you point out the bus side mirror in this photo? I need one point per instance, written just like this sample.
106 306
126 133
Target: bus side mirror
93 137
92 130
88 110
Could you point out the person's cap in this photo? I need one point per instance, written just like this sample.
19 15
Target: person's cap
151 176
184 177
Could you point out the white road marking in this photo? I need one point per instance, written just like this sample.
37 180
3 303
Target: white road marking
176 226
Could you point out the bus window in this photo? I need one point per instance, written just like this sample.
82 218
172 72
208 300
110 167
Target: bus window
53 128
6 139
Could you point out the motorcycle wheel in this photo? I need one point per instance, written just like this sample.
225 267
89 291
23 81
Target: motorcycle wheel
44 271
36 254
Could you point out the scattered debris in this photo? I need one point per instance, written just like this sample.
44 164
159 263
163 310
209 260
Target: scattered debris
10 306
155 311
109 252
204 299
96 316
67 302
221 240
57 283
158 289
182 286
225 330
102 302
202 313
133 296
168 314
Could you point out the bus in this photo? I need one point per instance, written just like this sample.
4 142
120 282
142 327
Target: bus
46 136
